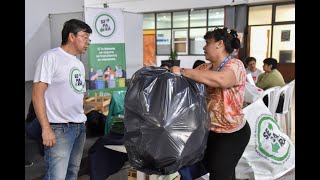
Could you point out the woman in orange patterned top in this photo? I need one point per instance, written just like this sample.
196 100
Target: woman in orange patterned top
225 79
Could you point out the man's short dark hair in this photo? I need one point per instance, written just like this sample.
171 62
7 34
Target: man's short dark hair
73 26
249 59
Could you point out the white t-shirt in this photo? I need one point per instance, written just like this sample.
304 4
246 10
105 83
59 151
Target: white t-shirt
65 75
255 74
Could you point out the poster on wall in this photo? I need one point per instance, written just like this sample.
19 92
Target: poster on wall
106 53
285 35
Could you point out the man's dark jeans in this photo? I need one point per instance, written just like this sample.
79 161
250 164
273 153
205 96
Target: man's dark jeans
33 131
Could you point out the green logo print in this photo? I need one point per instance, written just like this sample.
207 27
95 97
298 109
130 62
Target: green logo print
77 81
105 25
269 143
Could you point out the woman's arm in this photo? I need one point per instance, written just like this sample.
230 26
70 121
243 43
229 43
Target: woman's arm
225 78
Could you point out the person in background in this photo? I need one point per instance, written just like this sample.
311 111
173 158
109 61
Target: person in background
28 163
255 72
28 146
197 63
124 73
118 71
32 132
271 76
164 66
57 96
225 79
108 73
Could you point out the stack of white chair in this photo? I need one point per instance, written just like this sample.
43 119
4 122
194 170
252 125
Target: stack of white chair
287 90
273 98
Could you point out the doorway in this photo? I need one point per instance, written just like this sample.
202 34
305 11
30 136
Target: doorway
259 43
149 48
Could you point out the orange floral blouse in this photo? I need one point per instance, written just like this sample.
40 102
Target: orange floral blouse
225 105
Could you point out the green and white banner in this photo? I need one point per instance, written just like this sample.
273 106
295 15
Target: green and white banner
106 53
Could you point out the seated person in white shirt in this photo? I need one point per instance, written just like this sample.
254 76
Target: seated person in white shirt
255 72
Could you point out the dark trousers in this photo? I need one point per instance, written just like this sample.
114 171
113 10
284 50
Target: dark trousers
92 84
28 149
33 130
33 133
224 151
104 162
222 155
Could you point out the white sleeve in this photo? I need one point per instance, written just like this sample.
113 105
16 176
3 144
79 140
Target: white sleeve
44 69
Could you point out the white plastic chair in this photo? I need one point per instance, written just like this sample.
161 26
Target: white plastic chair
287 90
273 98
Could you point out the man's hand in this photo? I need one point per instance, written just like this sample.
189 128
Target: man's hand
49 139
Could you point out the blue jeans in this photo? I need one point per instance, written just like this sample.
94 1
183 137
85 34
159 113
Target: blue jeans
63 159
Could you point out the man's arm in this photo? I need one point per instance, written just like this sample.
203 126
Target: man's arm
39 89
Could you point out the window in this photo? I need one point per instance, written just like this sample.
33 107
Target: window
180 19
285 13
216 17
183 30
163 20
180 40
284 41
148 21
163 41
272 32
198 18
196 40
260 15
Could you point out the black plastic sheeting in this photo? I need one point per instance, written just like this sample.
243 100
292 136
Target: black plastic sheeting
166 119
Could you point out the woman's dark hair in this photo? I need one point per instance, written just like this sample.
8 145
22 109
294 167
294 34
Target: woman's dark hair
271 61
106 68
229 38
73 26
249 59
197 63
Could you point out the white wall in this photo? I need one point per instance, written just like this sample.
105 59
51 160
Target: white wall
133 38
166 5
37 30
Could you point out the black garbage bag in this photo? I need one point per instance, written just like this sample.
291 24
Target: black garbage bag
166 121
95 123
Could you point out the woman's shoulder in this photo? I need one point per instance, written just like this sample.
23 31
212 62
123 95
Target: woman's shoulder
237 63
275 72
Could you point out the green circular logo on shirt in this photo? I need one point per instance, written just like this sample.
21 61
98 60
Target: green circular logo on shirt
77 80
105 25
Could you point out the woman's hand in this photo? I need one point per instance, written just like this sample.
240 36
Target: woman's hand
175 70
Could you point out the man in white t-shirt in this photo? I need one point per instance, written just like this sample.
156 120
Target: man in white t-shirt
255 72
57 96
